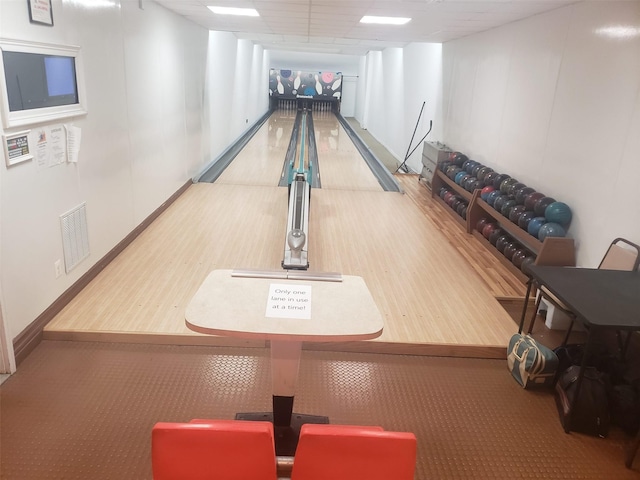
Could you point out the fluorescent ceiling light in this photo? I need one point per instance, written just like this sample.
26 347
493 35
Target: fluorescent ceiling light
248 12
385 20
619 31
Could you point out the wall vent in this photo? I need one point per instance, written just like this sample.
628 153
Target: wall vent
75 236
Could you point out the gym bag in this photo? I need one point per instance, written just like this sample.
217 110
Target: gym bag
591 410
530 363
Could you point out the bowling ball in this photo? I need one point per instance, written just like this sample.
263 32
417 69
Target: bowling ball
460 207
484 193
481 223
522 193
483 172
500 201
510 249
476 168
488 229
551 229
525 218
454 203
468 181
447 196
541 205
534 225
527 261
453 198
507 206
499 179
502 242
504 186
516 211
459 176
470 184
470 166
460 158
518 257
443 191
513 188
558 212
452 172
531 199
495 235
475 185
491 198
463 214
464 164
489 178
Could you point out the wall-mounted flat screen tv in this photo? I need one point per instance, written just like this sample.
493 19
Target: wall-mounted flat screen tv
41 83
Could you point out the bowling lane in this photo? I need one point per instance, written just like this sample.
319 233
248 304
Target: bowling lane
341 165
260 161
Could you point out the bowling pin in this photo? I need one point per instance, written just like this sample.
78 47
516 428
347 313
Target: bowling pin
280 86
296 82
336 84
318 86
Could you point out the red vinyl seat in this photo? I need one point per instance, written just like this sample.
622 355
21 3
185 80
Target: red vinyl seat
345 452
213 449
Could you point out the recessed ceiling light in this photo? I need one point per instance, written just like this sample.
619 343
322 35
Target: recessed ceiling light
248 12
385 20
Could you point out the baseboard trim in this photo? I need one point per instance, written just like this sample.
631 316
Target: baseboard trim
31 336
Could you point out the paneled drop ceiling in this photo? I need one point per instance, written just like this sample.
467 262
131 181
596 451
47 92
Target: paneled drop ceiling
332 26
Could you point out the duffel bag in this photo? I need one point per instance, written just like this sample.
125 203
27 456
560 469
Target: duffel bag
531 363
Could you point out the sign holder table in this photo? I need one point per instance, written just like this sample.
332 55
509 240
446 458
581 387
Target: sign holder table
286 308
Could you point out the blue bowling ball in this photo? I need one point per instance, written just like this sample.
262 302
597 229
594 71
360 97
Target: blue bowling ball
558 212
551 229
535 224
459 176
491 198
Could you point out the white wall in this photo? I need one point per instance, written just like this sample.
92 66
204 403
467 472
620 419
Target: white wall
392 86
149 77
554 102
236 72
329 62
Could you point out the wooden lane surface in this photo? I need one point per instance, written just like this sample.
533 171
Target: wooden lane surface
341 166
426 291
435 288
431 299
260 162
145 290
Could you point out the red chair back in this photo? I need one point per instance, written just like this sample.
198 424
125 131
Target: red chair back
212 449
342 452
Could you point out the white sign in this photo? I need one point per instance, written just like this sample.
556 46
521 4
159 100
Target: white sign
289 301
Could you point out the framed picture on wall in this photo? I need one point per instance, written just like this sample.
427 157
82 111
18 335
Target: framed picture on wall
40 11
16 148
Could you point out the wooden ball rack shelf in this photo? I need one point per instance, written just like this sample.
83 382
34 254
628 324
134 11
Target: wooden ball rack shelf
552 251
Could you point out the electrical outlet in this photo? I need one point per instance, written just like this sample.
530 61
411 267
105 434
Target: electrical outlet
58 266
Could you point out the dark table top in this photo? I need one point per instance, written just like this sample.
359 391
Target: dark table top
599 298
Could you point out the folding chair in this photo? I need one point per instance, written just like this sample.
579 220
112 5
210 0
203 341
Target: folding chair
213 449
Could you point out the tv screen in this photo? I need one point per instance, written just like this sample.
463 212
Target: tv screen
36 80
